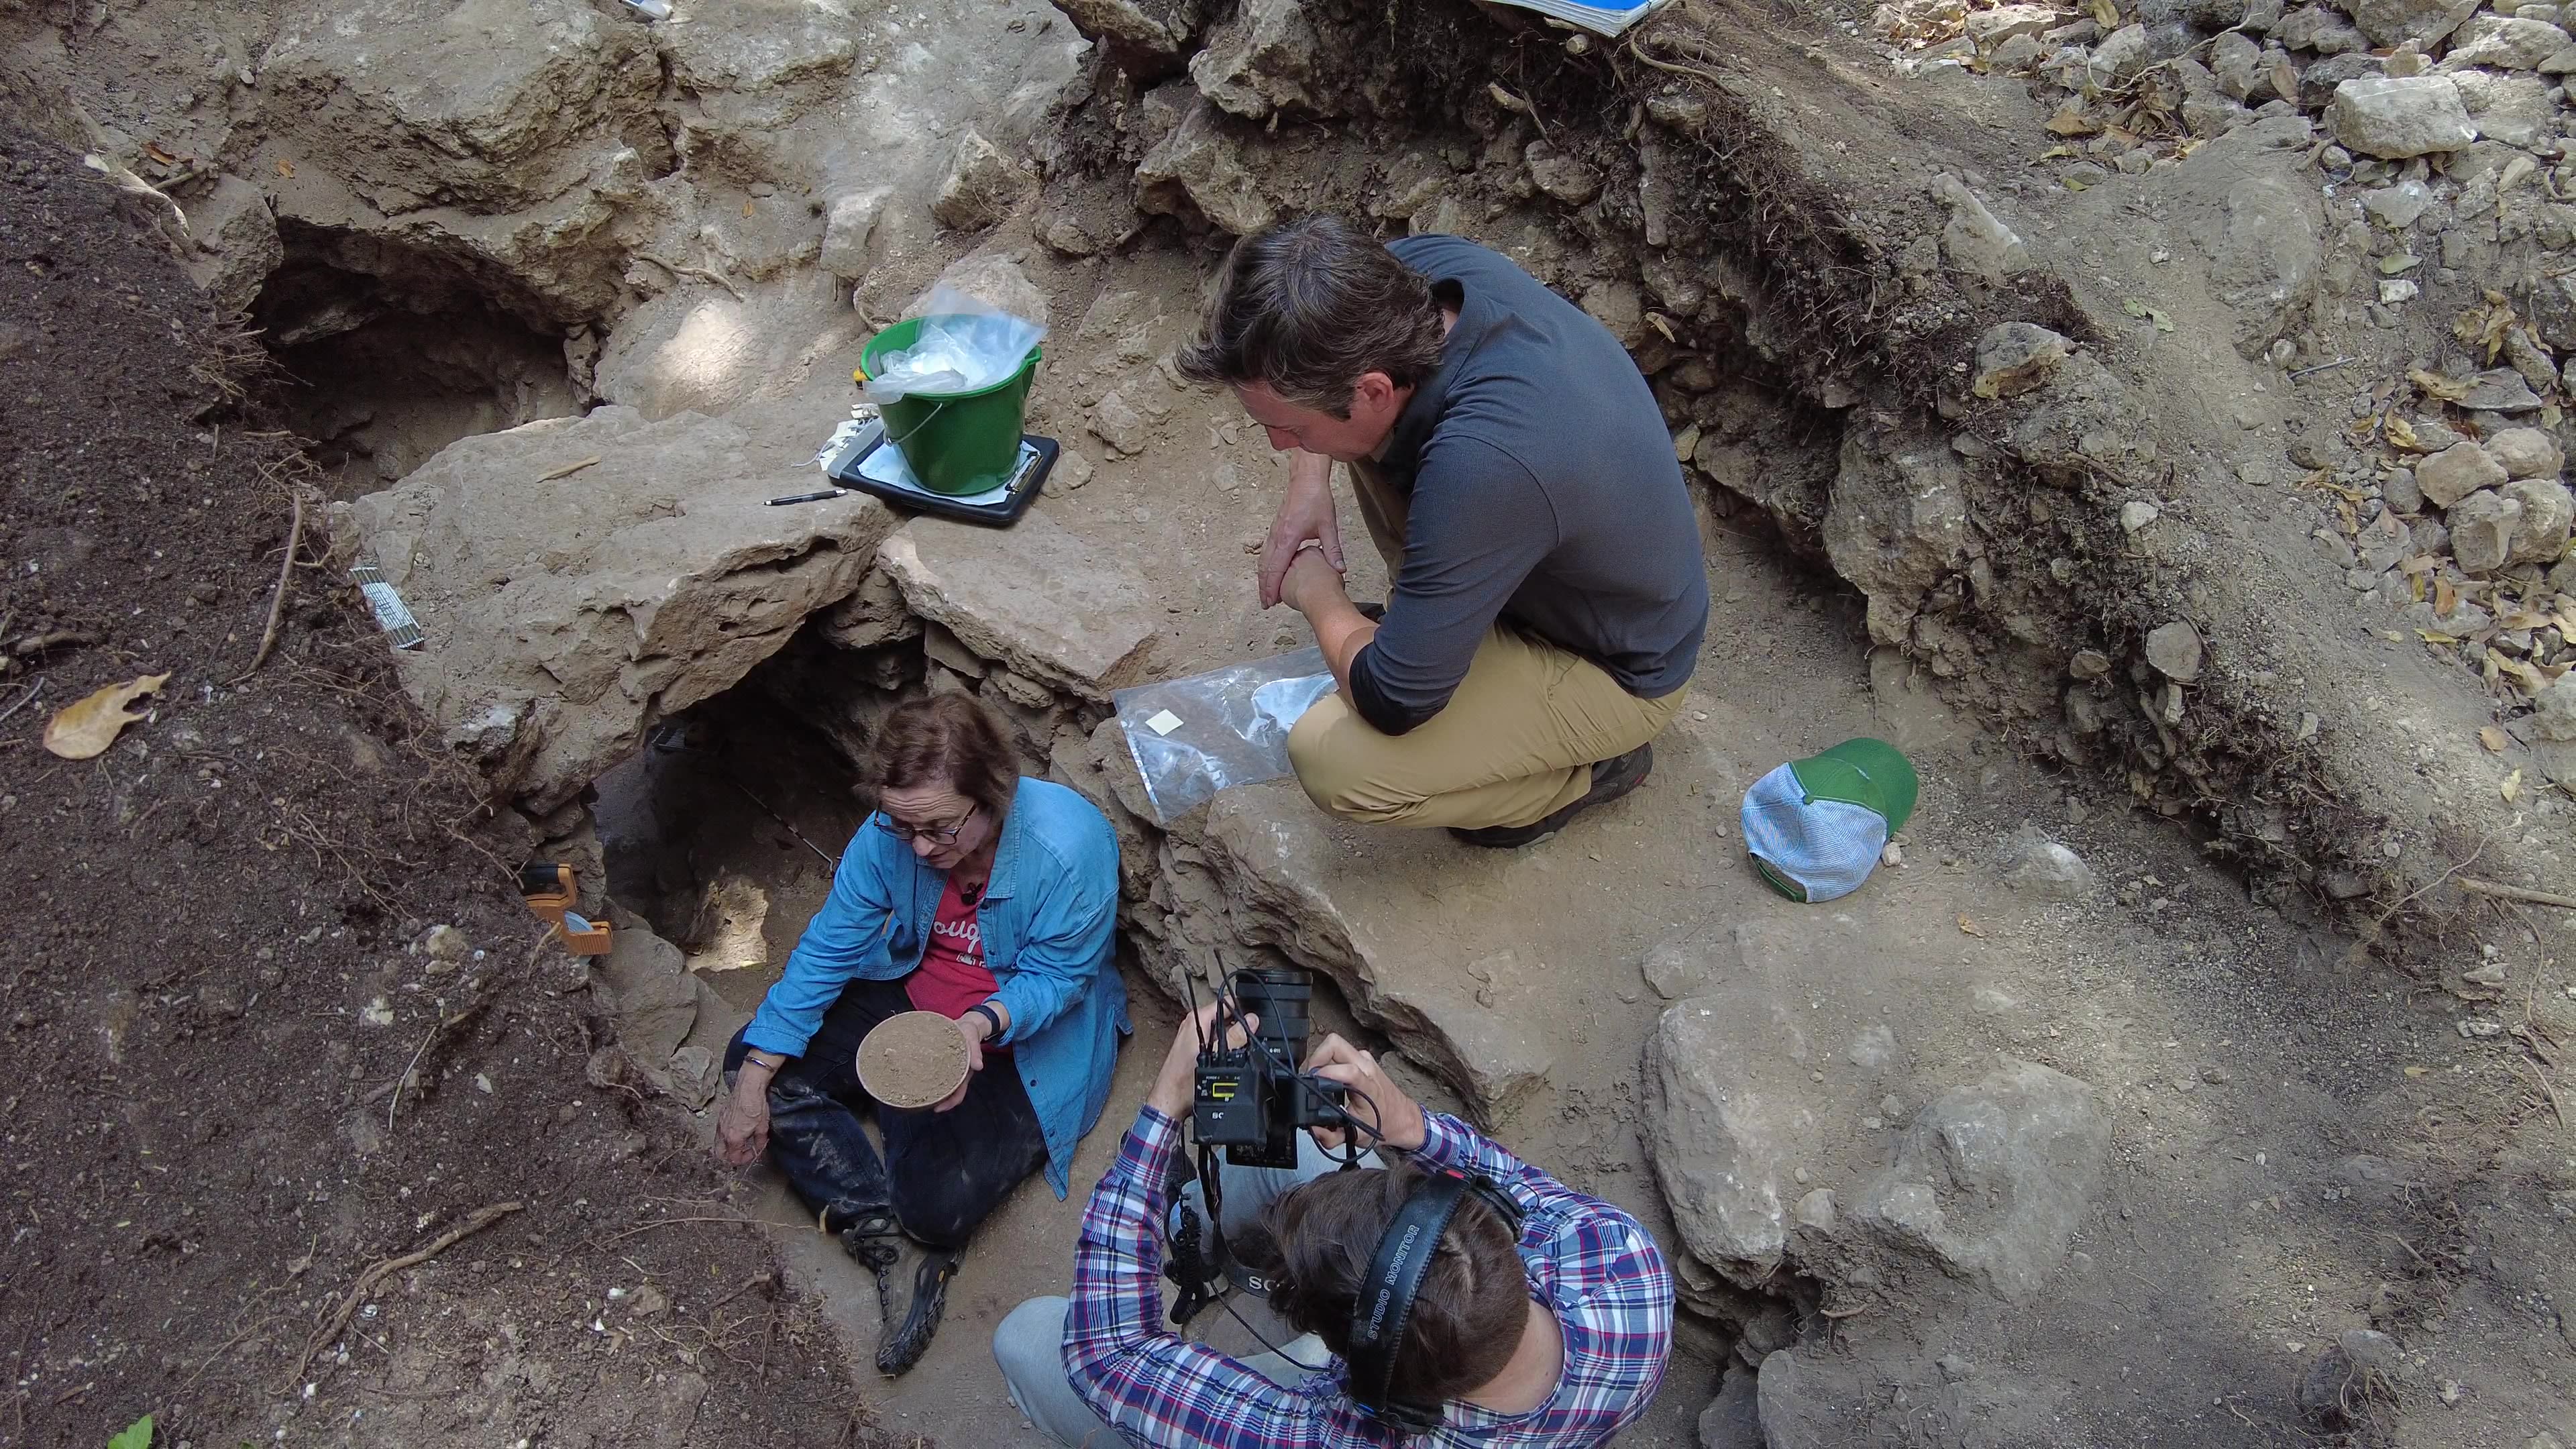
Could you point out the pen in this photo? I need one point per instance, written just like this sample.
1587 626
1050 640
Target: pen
807 497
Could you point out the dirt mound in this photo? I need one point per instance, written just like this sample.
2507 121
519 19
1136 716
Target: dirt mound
247 1066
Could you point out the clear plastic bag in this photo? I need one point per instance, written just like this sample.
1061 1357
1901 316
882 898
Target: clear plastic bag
1193 737
965 344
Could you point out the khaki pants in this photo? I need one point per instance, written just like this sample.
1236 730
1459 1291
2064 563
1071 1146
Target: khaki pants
1515 744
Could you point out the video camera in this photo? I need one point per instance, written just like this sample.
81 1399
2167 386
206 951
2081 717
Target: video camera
1252 1100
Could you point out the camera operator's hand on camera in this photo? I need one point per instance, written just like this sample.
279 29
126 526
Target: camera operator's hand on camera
1398 1117
1177 1086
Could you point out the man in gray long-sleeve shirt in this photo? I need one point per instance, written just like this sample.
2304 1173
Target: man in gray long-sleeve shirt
1510 463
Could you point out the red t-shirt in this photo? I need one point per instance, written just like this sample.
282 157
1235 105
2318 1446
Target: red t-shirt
951 979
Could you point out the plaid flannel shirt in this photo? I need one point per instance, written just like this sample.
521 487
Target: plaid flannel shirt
1587 1260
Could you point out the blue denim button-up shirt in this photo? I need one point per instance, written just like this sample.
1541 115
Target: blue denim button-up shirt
1049 917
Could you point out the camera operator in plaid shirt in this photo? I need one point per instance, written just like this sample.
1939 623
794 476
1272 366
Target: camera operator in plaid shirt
1558 1339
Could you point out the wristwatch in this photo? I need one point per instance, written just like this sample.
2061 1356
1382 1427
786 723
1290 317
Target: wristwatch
993 1018
766 1058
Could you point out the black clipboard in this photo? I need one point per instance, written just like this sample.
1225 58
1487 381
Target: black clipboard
1037 459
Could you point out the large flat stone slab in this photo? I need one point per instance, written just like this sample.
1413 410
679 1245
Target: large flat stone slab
566 616
1033 597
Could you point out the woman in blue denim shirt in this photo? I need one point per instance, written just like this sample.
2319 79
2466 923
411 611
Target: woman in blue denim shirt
992 900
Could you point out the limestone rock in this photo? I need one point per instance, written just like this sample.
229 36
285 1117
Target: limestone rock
847 230
1795 1411
991 277
2236 63
982 185
1145 38
2504 42
1561 176
1990 28
1687 964
2264 257
2501 390
2513 109
2083 422
1195 172
237 245
1726 1112
1115 421
1615 305
499 114
2036 866
2122 55
1898 521
2556 719
2014 357
644 986
2174 648
1991 1180
1038 600
2482 531
2456 472
2397 207
2394 22
2541 533
1263 60
2314 27
872 616
2397 118
1974 241
566 617
1269 873
1733 1420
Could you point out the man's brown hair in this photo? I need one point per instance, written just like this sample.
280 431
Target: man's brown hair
947 740
1307 306
1475 1298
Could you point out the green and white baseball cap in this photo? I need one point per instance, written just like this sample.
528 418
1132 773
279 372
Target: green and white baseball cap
1816 826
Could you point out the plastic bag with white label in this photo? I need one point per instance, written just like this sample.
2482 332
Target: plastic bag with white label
1193 737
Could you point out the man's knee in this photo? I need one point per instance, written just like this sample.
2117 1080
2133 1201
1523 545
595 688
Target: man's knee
1028 1344
1331 772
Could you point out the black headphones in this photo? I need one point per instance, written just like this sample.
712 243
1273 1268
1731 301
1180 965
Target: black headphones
1384 1307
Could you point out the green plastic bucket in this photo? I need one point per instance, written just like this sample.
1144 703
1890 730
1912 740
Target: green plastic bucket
956 443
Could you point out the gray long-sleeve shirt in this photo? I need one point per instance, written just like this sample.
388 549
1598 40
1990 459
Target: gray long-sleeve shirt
1544 492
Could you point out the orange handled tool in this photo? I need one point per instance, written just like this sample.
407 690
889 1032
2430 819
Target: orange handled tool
549 891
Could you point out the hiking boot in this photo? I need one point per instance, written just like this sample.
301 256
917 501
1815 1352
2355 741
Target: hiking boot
912 1292
1610 780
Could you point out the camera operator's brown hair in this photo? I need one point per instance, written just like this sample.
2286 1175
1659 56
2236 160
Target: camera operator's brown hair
1474 1301
945 739
1306 307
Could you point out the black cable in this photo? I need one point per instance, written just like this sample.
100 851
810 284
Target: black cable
1299 1364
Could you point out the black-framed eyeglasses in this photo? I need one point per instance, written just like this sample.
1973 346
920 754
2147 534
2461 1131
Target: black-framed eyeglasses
943 834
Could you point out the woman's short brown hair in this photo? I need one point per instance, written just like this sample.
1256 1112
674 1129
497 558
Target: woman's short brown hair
1474 1302
946 740
1307 306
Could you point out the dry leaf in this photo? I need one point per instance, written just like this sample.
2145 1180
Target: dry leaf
2512 787
2446 597
2493 739
2401 434
2433 384
286 168
1969 927
88 727
2106 14
2071 122
2419 1071
2285 80
746 208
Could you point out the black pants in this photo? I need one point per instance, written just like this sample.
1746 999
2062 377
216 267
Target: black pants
942 1172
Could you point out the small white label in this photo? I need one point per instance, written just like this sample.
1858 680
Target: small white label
1164 722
